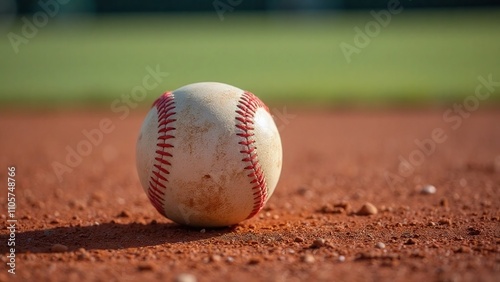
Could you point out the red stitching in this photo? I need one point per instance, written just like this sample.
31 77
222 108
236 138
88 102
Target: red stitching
247 107
165 107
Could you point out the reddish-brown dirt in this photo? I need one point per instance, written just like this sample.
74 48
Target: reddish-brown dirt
334 162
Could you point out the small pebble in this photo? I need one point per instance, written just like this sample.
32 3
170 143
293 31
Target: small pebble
464 249
327 208
410 242
254 261
215 258
124 214
341 258
298 239
269 207
444 221
380 245
58 248
230 259
185 277
443 202
97 196
367 209
473 231
82 254
145 266
335 209
203 230
308 258
318 243
76 204
342 205
428 190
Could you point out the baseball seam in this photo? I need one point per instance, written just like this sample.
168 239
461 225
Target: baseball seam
247 107
165 107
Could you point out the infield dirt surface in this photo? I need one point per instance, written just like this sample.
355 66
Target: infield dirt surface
334 162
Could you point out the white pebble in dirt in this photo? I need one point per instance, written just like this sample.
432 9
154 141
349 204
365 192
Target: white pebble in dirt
185 277
428 189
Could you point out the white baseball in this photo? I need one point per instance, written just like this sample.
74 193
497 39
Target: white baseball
209 154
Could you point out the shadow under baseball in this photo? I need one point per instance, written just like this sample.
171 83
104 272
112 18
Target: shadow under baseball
108 236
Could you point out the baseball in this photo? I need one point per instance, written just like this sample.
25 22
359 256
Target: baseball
209 154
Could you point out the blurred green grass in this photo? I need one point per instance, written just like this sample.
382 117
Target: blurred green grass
419 58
